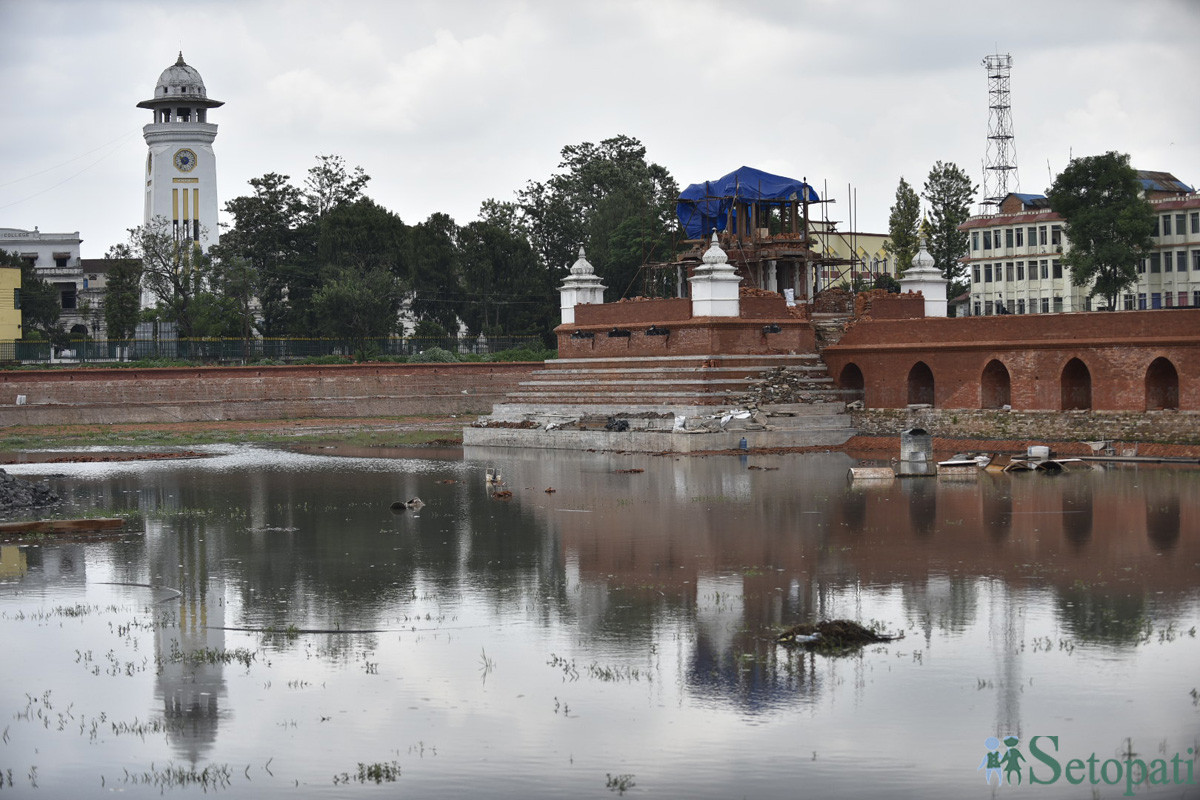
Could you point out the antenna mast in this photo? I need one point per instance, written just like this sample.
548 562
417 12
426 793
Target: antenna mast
1001 157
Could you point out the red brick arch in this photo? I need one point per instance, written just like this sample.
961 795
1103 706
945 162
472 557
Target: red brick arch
995 385
1162 385
1075 383
921 385
851 377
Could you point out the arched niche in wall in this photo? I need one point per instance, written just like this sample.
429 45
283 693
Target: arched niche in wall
995 385
1162 385
851 377
1076 383
920 384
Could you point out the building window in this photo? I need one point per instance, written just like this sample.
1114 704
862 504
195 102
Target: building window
17 297
1169 300
1032 236
1196 260
60 261
1168 261
974 240
1042 236
1180 221
30 259
1196 297
987 308
1008 271
1021 236
1156 300
1141 301
987 240
975 272
1182 299
1058 305
68 298
1166 225
1156 232
1057 268
1130 303
1008 237
1020 270
1056 234
977 308
1181 261
1156 262
987 273
1045 268
1196 222
1020 306
1045 305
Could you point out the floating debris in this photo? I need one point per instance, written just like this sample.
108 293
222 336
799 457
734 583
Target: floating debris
837 634
405 505
632 471
503 494
550 490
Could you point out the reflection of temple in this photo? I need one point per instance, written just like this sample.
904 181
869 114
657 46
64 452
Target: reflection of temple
60 564
742 553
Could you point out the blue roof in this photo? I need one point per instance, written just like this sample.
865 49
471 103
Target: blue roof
1162 182
1028 198
705 206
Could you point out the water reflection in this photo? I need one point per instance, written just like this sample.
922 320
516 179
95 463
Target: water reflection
661 590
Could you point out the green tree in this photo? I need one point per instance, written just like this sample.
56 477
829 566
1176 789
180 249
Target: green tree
608 198
357 305
175 270
434 271
505 290
1108 221
904 238
274 233
122 292
948 194
39 302
329 185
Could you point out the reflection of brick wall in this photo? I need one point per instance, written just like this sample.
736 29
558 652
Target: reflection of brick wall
1117 349
214 393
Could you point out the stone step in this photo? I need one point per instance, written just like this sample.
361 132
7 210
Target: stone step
817 366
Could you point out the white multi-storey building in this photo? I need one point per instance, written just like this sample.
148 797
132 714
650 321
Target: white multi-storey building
1015 260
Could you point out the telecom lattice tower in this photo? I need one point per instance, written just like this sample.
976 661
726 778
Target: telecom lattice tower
1001 157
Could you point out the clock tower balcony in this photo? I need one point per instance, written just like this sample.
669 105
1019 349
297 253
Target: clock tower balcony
173 132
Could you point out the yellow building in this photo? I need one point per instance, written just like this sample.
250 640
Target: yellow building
865 249
10 304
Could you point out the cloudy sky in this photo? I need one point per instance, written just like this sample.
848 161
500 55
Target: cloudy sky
448 103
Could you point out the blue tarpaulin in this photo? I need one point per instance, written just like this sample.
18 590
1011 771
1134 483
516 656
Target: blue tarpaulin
704 206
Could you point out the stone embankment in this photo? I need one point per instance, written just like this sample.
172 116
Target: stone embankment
17 494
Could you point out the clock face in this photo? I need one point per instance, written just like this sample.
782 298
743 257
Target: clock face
185 160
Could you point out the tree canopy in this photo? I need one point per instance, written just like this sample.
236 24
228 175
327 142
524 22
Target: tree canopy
949 193
122 292
904 238
1107 220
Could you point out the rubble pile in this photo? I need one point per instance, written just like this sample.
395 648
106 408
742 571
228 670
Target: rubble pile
778 386
17 494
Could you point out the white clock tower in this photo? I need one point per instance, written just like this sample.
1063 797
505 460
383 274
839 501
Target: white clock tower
181 169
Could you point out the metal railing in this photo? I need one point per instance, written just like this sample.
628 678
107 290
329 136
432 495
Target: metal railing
232 351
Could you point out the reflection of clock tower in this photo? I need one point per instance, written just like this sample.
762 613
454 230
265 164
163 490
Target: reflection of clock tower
181 170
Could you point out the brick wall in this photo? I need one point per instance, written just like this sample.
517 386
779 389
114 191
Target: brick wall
1169 427
634 312
700 336
1035 351
58 397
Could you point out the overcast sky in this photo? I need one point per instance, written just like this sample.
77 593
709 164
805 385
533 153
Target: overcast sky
446 104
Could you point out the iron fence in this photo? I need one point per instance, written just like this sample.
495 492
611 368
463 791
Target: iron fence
227 351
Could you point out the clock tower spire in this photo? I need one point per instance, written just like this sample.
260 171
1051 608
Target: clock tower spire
181 169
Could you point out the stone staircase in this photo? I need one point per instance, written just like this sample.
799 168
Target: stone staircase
829 328
569 402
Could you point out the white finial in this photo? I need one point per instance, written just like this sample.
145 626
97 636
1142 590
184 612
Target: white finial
582 266
715 256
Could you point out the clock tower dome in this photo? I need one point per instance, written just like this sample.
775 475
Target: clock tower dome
181 169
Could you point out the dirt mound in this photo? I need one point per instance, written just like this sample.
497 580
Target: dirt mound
836 634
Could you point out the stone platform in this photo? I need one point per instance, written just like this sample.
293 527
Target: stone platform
670 404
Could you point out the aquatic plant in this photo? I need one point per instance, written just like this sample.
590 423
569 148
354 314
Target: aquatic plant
619 783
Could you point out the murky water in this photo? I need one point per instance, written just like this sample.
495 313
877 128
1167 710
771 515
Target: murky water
274 630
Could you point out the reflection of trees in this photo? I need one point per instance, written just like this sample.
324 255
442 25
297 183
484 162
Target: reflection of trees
947 603
1162 521
1077 514
1092 616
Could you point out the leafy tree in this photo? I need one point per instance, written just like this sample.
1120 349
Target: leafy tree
329 185
609 199
122 293
505 290
434 271
948 193
273 232
40 306
1107 220
904 238
357 305
174 270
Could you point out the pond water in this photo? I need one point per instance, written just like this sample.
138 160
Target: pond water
272 629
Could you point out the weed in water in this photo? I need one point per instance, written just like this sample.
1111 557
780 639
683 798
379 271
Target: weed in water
619 783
